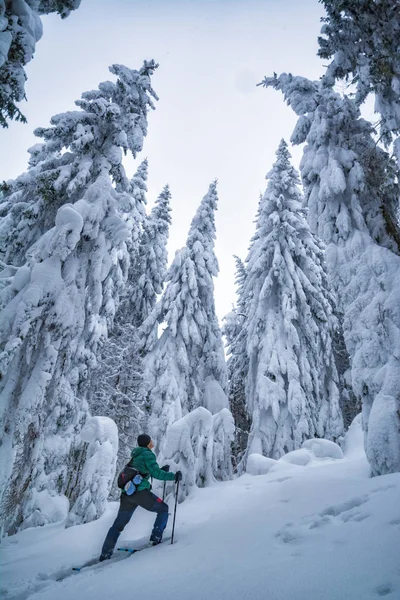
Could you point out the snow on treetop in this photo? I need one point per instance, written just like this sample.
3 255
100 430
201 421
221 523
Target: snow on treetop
113 115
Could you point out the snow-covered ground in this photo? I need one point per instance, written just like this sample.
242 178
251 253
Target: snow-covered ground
324 531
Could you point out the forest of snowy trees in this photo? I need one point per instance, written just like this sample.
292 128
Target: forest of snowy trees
102 337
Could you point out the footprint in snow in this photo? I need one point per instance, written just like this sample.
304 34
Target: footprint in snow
316 523
384 590
354 515
384 488
339 509
288 535
347 511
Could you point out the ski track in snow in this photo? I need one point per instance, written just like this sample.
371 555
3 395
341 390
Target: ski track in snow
321 532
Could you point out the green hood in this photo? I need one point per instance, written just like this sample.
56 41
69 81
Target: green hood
138 451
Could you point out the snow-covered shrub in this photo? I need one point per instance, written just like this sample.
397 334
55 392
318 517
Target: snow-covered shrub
323 448
97 474
257 464
198 444
43 507
188 447
300 457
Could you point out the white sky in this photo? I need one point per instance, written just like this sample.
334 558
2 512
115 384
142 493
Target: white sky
211 121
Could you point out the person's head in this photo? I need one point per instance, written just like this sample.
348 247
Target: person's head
145 441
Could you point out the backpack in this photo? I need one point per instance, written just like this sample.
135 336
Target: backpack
128 479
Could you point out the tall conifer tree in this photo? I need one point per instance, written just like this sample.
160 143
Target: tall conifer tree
60 305
190 348
291 390
342 171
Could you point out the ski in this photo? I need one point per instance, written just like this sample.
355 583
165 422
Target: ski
89 563
129 548
95 562
125 551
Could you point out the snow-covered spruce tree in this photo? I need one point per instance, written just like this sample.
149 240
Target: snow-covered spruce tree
59 306
198 445
20 29
49 333
238 365
362 256
190 347
150 268
291 386
78 147
362 39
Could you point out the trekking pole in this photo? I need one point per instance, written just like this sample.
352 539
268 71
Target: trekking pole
176 501
163 492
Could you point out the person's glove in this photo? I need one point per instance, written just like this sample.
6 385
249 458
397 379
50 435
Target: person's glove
165 468
178 476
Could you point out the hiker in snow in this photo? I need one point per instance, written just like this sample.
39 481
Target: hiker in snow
144 461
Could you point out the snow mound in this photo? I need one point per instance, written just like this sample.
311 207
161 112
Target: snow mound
299 457
44 508
257 464
323 448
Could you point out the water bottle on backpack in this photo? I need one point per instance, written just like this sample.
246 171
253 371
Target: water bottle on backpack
130 487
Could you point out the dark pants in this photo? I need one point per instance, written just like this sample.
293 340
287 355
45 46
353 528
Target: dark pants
128 505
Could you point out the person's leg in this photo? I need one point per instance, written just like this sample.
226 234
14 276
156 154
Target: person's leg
125 512
161 508
151 502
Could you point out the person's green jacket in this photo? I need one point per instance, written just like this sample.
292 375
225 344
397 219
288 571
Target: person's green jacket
144 461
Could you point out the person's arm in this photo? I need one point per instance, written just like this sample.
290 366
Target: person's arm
154 470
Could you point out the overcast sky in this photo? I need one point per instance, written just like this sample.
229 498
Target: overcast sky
211 120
